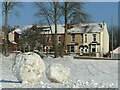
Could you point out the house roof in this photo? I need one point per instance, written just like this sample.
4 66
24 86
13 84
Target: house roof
27 27
86 28
80 28
117 50
60 29
13 42
17 30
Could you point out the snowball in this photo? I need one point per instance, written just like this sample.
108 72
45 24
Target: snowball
57 73
28 67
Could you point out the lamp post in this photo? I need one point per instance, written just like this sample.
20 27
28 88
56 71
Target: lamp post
112 34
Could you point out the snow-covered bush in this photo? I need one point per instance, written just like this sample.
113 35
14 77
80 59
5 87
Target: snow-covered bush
57 73
28 67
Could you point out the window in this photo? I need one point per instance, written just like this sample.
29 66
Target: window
82 50
59 38
72 48
50 38
85 37
59 43
93 49
86 50
82 38
73 38
94 37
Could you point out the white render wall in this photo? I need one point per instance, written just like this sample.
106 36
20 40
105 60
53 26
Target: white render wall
105 39
101 43
90 38
102 38
11 37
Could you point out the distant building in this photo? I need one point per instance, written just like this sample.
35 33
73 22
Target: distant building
84 39
13 39
116 53
92 38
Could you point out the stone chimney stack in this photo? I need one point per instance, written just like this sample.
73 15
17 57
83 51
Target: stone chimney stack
68 26
103 24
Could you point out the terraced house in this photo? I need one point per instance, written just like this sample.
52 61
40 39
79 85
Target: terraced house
84 39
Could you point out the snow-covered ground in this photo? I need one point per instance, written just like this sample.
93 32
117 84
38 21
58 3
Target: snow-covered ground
84 73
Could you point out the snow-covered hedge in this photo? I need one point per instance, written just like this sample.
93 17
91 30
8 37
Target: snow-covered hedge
57 73
28 67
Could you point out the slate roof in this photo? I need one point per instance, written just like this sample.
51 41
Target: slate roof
117 50
80 28
86 28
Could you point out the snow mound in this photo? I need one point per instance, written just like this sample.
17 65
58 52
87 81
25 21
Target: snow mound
58 73
28 67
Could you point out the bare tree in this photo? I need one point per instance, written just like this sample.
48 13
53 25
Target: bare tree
116 36
70 10
51 13
32 38
8 7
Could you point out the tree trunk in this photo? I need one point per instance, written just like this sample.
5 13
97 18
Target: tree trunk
65 33
6 30
55 36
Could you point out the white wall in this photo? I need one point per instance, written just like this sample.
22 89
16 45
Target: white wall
90 38
105 39
11 37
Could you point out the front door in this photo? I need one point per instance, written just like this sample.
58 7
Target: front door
72 48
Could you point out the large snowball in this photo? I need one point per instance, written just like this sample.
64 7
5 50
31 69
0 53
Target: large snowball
29 67
57 73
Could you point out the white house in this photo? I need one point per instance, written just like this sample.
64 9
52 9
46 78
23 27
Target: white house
95 38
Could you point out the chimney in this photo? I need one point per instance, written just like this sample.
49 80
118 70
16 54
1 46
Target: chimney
68 26
103 22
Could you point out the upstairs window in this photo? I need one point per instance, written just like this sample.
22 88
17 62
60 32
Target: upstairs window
82 38
59 43
73 38
94 37
85 37
59 38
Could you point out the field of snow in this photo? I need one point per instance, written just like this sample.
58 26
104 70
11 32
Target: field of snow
84 73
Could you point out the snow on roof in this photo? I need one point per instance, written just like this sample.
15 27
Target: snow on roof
17 31
117 50
13 42
86 28
80 28
27 27
60 29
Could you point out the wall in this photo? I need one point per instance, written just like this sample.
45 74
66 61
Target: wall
11 36
105 39
78 40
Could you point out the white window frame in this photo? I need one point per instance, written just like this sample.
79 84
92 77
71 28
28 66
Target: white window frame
82 38
85 37
94 37
73 38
